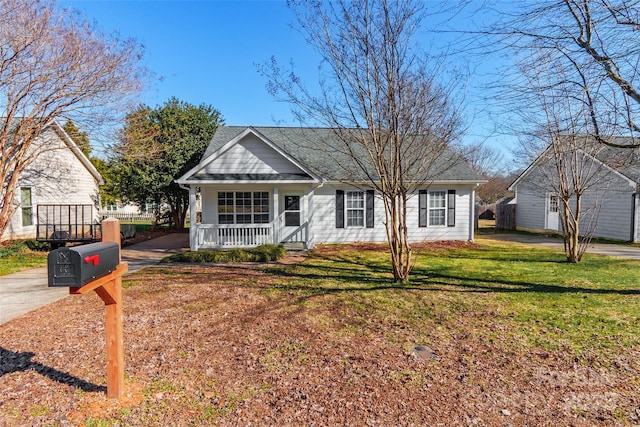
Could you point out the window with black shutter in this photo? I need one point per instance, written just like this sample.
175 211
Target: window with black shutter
422 208
339 209
451 208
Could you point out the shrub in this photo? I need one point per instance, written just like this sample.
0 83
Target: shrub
263 253
34 245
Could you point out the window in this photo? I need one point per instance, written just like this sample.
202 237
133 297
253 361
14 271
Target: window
553 203
437 208
261 207
26 205
243 207
291 211
355 208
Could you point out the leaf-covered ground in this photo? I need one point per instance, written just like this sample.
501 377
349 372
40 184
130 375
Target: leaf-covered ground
325 342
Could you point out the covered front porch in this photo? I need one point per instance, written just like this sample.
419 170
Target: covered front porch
244 216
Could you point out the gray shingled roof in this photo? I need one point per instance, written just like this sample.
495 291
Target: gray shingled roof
319 150
624 160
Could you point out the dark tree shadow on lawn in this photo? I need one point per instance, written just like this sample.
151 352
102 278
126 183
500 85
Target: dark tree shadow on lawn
11 361
372 276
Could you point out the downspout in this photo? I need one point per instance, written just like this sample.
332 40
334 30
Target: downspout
472 213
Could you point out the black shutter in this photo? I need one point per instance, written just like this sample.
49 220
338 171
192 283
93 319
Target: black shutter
422 208
339 209
369 214
451 208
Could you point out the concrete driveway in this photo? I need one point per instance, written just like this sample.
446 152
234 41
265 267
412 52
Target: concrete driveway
28 290
609 249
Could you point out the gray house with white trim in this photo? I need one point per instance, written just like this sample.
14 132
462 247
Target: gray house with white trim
258 185
611 205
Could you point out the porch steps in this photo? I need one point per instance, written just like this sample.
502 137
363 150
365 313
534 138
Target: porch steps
294 246
295 249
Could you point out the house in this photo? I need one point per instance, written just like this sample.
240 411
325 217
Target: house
60 175
284 185
610 205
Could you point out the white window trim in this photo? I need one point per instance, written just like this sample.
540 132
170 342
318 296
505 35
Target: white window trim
33 204
443 208
347 209
235 213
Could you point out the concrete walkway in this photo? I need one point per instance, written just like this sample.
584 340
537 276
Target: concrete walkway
623 251
28 290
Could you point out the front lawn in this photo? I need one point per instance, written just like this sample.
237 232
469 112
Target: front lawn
520 338
17 256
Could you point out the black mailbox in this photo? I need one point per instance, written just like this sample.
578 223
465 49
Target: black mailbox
78 265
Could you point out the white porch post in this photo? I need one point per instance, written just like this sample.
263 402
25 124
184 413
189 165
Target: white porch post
276 217
635 236
310 235
193 226
472 214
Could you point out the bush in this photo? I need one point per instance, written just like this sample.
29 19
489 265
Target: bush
263 253
34 245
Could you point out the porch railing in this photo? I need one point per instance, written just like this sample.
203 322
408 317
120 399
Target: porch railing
233 235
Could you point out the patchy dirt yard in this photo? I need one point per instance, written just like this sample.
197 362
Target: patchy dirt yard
234 346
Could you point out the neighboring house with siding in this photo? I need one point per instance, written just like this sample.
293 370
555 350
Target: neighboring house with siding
60 175
611 205
279 185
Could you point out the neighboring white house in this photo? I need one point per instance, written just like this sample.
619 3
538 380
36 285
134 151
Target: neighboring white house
611 206
279 185
60 175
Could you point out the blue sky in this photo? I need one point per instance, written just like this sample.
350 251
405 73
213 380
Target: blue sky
207 51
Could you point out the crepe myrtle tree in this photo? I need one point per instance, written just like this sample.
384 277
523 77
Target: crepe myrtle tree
54 63
567 165
596 44
381 94
156 146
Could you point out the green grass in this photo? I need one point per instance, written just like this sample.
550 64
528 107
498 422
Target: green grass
263 253
17 255
499 292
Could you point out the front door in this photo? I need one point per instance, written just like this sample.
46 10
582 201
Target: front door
552 212
292 227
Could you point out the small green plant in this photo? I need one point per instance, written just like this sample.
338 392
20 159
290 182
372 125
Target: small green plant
263 253
91 422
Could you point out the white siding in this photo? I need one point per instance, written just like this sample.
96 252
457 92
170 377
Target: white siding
251 155
56 177
325 219
323 214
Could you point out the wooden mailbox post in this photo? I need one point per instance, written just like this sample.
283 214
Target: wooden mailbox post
109 289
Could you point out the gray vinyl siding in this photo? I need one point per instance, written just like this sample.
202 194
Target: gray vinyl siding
530 208
610 210
607 209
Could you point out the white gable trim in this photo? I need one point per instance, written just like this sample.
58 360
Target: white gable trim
77 152
185 179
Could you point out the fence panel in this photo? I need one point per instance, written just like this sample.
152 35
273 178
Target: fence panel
505 215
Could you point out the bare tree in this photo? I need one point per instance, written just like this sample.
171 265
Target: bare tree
596 45
381 95
569 168
54 64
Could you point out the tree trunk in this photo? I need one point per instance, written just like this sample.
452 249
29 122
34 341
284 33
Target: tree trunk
397 236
